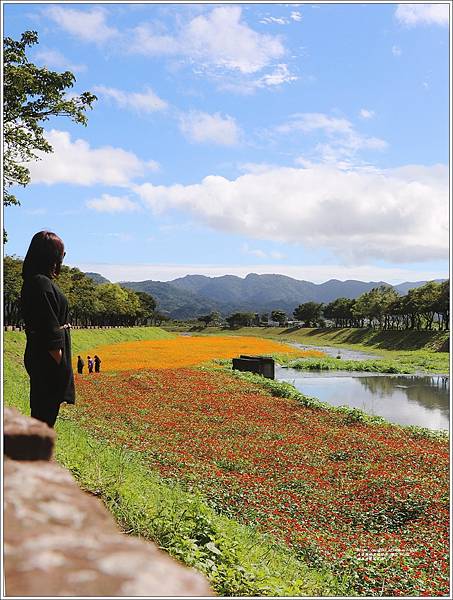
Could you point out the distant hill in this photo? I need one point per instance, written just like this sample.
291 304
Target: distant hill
195 295
179 304
97 278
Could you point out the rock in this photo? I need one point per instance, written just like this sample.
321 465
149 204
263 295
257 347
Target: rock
26 438
60 541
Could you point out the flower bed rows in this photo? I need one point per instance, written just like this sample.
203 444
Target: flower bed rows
367 501
185 351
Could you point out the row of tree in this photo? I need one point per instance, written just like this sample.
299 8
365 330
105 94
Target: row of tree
89 303
425 307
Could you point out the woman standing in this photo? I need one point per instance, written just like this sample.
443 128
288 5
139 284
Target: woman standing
45 311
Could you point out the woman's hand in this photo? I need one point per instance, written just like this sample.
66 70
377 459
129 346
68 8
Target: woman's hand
57 355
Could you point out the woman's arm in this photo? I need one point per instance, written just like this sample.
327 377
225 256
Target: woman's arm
45 310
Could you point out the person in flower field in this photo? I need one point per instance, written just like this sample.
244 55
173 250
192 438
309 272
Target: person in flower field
44 308
97 363
90 364
80 364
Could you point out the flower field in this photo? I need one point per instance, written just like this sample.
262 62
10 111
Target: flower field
369 502
185 351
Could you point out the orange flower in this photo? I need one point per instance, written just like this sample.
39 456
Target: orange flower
185 351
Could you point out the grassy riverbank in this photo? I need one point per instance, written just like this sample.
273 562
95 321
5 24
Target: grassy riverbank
237 559
398 351
347 337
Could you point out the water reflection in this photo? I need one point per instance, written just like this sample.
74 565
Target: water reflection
407 400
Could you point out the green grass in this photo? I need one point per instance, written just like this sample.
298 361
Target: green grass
415 362
345 337
400 351
85 339
238 560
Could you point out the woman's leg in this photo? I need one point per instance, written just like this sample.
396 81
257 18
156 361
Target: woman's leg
43 405
47 414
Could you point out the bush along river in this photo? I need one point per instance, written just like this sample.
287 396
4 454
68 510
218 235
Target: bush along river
421 400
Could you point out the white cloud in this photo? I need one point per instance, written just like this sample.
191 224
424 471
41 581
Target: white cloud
245 249
258 253
88 25
396 51
250 167
218 44
77 163
152 165
202 127
343 141
365 113
171 228
278 76
143 102
112 204
391 215
317 273
423 14
308 122
296 15
275 20
223 39
54 59
215 43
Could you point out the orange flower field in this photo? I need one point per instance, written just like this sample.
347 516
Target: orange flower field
187 351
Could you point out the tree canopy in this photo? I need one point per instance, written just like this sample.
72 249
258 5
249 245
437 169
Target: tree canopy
89 303
309 312
31 96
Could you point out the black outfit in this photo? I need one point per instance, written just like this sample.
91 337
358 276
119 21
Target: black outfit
80 365
97 364
45 312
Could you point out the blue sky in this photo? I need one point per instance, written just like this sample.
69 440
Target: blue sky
310 140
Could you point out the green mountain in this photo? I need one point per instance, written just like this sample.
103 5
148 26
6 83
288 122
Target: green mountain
196 295
97 278
178 303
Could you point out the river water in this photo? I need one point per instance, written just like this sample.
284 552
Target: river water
421 400
341 352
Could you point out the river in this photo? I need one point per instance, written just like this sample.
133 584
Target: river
421 400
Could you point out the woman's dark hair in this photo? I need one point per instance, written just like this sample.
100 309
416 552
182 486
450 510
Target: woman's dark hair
44 256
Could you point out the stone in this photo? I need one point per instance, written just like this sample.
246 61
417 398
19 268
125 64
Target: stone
61 541
26 438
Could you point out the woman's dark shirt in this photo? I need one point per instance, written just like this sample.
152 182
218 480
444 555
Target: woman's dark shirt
45 310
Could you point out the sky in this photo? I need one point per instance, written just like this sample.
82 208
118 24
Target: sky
310 140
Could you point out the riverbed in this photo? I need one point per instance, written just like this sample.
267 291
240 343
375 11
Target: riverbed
421 400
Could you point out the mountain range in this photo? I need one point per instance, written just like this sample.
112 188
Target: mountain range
196 295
